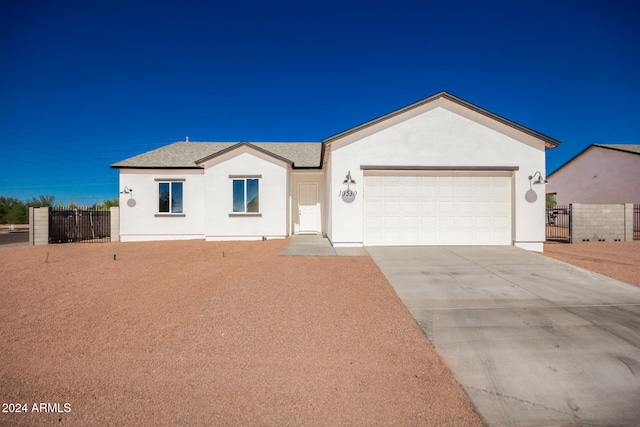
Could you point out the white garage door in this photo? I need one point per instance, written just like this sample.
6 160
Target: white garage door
437 208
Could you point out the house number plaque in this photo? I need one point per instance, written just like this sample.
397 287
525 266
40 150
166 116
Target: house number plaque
348 195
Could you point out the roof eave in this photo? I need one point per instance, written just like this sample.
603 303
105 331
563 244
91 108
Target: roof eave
609 147
153 167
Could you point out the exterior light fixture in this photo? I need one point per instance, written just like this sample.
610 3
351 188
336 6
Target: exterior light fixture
349 180
538 181
348 195
531 195
131 202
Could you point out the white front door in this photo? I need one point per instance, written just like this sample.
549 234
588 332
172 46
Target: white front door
308 207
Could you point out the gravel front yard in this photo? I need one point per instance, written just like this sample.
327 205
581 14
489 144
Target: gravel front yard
173 333
620 260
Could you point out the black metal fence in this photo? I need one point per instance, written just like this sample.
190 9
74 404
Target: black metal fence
79 225
636 222
559 223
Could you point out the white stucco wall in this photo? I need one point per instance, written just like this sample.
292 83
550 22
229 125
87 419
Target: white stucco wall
439 134
143 222
220 223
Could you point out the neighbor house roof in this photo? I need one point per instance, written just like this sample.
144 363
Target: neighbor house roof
549 142
185 155
627 148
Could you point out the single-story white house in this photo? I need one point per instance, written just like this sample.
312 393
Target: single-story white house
440 171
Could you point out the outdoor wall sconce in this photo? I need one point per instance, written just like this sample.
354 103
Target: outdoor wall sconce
531 195
349 180
131 202
538 181
348 195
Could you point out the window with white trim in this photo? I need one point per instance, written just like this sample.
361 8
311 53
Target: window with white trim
246 195
170 197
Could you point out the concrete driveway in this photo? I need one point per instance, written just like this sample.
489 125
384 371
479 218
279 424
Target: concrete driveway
532 341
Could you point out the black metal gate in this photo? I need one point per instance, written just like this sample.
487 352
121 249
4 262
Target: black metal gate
636 222
79 225
559 223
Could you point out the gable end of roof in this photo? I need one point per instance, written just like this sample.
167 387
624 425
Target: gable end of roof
549 142
240 145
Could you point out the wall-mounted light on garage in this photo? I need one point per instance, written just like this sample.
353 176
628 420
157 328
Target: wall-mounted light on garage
348 180
538 181
348 195
531 195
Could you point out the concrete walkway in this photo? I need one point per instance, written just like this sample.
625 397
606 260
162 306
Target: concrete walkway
532 341
316 245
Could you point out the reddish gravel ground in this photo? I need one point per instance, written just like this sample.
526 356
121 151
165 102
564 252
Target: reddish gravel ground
620 260
173 333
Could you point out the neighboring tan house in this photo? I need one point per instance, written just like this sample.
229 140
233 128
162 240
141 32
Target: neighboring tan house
600 174
441 171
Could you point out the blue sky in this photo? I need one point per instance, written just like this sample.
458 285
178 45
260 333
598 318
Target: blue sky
84 84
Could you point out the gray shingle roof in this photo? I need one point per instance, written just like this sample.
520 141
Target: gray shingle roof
187 154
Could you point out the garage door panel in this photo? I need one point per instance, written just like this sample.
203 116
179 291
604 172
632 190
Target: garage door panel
465 223
393 235
446 191
410 191
428 222
499 222
447 222
410 207
392 206
392 191
375 237
482 192
374 207
427 190
464 207
375 222
428 206
392 222
375 191
466 192
411 222
482 225
438 208
499 207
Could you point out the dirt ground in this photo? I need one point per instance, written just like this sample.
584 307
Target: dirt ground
620 260
175 333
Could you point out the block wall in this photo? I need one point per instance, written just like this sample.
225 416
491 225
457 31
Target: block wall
38 226
115 224
601 223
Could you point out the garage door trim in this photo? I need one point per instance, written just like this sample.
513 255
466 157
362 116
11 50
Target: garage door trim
440 168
